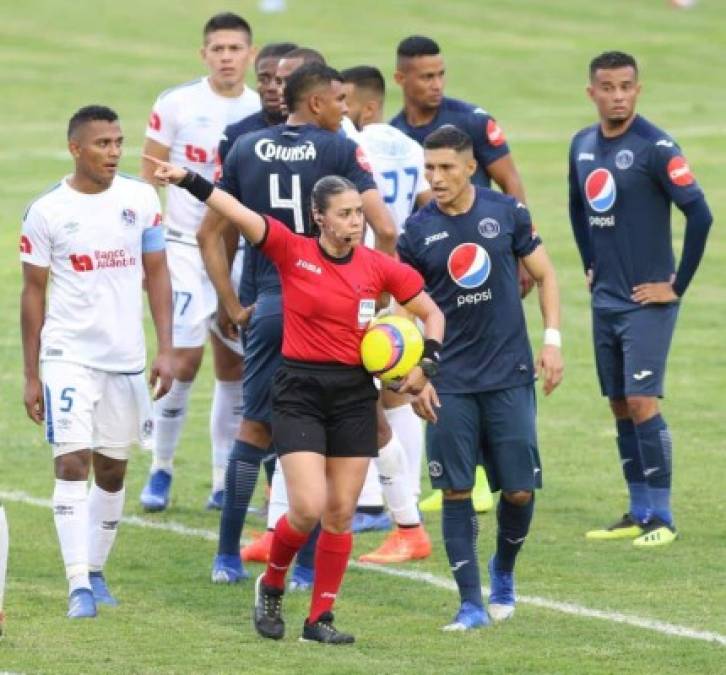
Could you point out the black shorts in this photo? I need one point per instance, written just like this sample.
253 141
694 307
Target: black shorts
327 408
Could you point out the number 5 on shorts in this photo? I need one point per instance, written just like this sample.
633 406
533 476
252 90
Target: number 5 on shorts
67 399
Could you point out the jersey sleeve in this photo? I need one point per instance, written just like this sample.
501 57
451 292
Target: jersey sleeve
228 180
673 173
490 143
578 216
404 247
525 239
402 281
161 126
277 242
152 233
356 167
35 241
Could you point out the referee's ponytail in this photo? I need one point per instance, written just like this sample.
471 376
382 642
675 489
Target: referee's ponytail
325 188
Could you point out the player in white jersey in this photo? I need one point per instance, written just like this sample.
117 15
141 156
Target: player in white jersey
185 127
398 168
93 235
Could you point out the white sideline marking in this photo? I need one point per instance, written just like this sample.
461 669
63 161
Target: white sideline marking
427 578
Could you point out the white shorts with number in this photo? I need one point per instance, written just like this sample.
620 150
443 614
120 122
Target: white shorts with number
195 300
89 409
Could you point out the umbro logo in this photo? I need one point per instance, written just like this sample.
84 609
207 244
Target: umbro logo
642 375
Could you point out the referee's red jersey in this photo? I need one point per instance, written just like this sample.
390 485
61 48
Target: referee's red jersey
327 302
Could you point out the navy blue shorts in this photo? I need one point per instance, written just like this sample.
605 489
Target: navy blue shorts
631 349
494 428
263 356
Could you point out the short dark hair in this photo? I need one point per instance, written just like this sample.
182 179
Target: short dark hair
326 187
611 60
275 50
366 77
307 77
417 45
227 21
448 136
307 55
90 113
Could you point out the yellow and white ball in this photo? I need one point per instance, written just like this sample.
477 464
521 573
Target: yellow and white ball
391 347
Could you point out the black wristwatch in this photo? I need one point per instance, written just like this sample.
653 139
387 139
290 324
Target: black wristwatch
429 367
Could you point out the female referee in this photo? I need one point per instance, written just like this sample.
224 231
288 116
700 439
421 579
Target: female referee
324 402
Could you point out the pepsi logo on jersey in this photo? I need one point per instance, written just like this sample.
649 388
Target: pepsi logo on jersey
469 267
600 192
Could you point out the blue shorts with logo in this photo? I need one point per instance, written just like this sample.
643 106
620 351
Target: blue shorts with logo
494 428
263 356
631 348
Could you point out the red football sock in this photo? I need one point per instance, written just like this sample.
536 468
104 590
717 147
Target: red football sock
286 542
331 559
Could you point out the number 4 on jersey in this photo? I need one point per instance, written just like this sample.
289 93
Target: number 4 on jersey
294 202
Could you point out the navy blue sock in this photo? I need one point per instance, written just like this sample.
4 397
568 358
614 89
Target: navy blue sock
460 528
240 479
513 525
269 465
306 555
656 448
632 466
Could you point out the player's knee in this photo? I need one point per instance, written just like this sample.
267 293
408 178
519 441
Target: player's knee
619 406
255 433
186 363
72 466
383 429
338 518
518 497
304 514
642 408
457 494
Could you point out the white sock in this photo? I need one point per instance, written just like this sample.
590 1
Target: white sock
408 427
224 419
371 495
278 505
104 513
170 412
393 472
3 553
70 513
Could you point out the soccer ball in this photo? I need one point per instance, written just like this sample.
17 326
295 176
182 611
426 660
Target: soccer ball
391 347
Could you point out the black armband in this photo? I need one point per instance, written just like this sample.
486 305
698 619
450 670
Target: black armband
196 185
431 350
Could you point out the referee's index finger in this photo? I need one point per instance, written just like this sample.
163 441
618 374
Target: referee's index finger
153 159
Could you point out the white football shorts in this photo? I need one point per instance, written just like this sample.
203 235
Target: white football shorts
194 297
89 409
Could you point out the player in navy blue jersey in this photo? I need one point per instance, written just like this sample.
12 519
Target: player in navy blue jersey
273 171
265 69
420 72
624 175
467 244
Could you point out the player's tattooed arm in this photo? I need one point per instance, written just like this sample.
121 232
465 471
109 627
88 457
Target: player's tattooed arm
32 316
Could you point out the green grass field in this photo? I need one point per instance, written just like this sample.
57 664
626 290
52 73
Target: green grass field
525 61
